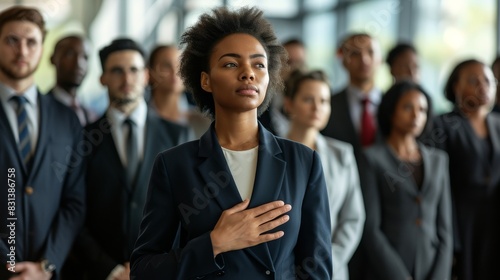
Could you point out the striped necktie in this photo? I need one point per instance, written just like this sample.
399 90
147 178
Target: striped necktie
22 125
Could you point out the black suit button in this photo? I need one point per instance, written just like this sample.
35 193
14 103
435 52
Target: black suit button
220 273
133 205
268 272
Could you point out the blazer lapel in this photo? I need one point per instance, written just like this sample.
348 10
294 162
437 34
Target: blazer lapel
43 135
10 141
214 167
428 166
401 173
494 132
267 187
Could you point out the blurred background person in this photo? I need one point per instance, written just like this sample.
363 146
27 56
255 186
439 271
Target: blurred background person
70 59
275 118
496 72
354 108
120 163
471 136
168 96
307 103
408 231
403 63
39 158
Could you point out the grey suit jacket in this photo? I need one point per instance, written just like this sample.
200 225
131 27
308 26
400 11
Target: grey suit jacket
347 211
408 231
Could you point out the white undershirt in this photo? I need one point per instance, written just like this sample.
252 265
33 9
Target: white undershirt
243 166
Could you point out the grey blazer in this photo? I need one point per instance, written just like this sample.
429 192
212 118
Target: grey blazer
408 231
347 211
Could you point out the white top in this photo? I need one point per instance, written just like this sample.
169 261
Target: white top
243 166
354 98
119 131
32 111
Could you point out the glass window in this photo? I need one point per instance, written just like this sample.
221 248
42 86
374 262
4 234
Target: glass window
448 32
274 8
323 5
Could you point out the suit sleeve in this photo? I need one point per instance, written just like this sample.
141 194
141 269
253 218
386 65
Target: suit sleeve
313 256
443 262
155 255
347 235
384 260
70 217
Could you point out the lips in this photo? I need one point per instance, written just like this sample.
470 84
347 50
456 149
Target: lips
248 90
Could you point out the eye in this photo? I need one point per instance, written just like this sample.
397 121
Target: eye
230 65
11 40
32 43
261 65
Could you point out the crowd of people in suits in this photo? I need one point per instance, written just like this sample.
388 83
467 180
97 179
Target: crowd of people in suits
155 189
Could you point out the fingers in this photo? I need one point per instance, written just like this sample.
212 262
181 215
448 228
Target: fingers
238 207
274 223
257 211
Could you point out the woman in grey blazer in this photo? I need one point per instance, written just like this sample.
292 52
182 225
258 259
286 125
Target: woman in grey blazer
307 100
408 230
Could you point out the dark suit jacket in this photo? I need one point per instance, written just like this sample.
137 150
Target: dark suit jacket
114 205
50 199
475 188
191 185
341 127
408 231
85 111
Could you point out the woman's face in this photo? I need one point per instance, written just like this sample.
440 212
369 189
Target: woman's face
410 114
238 76
310 108
475 86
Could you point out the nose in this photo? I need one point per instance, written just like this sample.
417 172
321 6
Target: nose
247 73
22 48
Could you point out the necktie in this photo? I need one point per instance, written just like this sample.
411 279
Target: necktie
132 151
22 126
367 125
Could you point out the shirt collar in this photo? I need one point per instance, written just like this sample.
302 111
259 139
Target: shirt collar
30 94
374 95
138 116
64 97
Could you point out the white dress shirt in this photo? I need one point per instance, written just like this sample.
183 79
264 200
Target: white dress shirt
354 98
32 111
119 131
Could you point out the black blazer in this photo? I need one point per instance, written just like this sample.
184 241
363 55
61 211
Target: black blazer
475 188
115 206
50 199
192 191
408 231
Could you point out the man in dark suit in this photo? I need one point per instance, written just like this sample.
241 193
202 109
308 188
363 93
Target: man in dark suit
354 109
43 203
125 142
70 61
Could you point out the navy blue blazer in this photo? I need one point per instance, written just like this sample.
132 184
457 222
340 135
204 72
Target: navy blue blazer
114 205
190 187
50 199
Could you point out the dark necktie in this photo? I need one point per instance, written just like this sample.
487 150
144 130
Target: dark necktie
132 151
22 126
367 125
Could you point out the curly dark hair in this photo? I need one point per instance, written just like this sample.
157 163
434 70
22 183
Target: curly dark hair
389 101
200 39
449 89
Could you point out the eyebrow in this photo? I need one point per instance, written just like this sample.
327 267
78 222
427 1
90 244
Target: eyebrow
239 56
